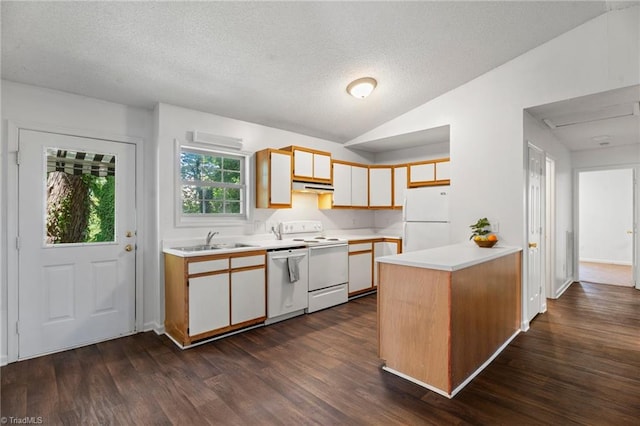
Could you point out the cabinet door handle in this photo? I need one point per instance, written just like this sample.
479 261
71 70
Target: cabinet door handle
533 245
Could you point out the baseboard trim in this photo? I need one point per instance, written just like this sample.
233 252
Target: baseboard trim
153 326
607 261
564 287
4 360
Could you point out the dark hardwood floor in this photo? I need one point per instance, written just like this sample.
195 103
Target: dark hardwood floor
578 364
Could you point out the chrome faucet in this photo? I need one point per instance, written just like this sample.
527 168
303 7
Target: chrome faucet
277 233
210 235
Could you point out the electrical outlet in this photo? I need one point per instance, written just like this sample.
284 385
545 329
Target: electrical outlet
495 226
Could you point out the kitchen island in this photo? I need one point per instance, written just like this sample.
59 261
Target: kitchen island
445 313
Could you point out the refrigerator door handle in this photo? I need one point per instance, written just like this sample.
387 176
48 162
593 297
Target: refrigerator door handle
404 235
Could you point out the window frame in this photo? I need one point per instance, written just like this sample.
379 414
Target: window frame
203 219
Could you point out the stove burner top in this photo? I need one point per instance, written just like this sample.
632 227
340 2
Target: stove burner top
317 240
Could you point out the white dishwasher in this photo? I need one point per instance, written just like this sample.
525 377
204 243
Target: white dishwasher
286 295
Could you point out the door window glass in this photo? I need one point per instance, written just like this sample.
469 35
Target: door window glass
80 204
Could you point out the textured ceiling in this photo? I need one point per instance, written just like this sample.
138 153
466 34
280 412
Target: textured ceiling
281 64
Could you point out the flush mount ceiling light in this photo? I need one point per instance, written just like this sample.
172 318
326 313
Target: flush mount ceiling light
362 87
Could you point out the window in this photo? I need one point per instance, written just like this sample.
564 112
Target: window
80 197
212 184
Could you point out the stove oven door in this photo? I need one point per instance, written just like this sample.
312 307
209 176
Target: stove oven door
328 266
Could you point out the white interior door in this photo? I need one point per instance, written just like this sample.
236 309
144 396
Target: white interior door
534 231
76 276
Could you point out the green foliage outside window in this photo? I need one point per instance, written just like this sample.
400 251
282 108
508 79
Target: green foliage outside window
212 183
80 209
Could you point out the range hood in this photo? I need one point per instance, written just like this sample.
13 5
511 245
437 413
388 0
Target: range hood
318 188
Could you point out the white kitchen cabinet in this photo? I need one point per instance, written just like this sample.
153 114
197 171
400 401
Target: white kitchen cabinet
210 295
322 166
399 185
359 186
248 295
431 172
302 164
380 186
273 178
310 165
341 184
360 273
422 173
350 184
443 171
383 248
208 303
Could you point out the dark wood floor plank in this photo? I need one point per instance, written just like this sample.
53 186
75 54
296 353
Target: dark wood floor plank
579 364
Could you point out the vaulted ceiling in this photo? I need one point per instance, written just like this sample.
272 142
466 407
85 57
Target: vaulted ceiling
281 64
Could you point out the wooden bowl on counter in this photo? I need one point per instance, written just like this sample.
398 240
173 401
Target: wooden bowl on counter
486 243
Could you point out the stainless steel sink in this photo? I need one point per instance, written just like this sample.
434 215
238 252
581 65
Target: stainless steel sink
201 247
232 245
204 247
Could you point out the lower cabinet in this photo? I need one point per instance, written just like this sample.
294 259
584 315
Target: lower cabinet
208 303
248 295
363 271
360 272
213 294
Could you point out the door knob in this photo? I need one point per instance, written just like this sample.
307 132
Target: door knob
129 234
128 247
533 245
629 232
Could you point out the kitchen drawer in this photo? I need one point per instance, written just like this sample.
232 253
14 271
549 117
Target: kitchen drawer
360 247
244 261
208 266
327 297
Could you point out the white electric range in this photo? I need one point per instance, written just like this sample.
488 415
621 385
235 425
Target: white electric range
328 263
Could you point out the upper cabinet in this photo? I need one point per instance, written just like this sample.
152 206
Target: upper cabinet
399 185
350 184
310 165
431 172
273 178
381 186
359 186
341 185
355 185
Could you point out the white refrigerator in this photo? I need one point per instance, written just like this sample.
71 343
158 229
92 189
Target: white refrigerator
425 217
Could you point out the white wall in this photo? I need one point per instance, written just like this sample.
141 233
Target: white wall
30 105
539 135
627 155
486 116
605 216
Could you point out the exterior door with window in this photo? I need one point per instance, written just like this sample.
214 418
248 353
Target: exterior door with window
76 241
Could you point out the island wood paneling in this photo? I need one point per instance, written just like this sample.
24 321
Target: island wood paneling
484 314
439 327
413 318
